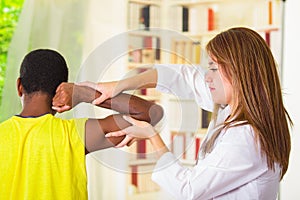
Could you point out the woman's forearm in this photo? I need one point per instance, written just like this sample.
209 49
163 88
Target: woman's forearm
147 79
158 145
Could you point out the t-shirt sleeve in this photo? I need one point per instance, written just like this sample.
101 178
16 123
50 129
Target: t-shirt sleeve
80 128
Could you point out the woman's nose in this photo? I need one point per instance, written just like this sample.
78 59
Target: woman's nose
207 77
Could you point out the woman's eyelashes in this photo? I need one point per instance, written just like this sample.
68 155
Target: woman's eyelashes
212 66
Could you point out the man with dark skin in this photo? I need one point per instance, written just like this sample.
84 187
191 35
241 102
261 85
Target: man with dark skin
42 156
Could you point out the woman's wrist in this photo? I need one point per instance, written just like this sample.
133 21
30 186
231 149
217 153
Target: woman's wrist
122 85
159 145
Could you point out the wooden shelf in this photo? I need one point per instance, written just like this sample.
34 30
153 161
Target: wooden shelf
267 29
142 162
201 35
132 65
194 3
155 98
144 33
188 162
145 2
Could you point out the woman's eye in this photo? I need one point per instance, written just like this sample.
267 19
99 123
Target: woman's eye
213 69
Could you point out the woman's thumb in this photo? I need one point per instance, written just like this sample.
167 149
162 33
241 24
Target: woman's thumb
129 119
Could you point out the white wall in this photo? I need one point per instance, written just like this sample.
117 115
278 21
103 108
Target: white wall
291 69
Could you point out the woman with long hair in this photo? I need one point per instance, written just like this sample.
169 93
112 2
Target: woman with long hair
246 150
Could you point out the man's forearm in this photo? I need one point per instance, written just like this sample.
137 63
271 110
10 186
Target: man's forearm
69 94
83 94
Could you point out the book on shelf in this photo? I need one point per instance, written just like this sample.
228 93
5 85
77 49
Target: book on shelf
185 19
134 56
148 56
210 19
198 140
178 144
186 145
205 119
194 19
196 52
141 165
157 49
154 16
185 52
141 178
190 143
144 49
141 149
175 18
142 16
145 17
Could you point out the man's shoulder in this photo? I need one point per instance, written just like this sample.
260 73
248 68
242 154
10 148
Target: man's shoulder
6 122
69 120
71 123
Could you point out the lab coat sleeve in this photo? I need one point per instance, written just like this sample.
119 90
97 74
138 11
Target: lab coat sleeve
184 81
235 161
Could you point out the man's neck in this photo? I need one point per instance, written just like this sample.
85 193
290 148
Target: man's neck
36 104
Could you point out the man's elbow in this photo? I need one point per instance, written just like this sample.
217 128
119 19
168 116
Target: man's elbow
156 113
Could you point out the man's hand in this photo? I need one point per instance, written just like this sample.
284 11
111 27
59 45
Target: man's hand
63 99
68 95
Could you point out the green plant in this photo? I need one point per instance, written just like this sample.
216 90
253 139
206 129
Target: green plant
9 14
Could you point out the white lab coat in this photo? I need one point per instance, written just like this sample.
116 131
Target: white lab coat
234 170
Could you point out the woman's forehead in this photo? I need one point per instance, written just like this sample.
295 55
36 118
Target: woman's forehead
211 61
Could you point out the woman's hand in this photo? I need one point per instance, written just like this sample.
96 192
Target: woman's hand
139 129
107 90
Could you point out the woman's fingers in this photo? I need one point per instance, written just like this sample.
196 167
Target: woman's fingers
116 133
100 87
100 99
124 142
131 141
88 84
61 108
130 119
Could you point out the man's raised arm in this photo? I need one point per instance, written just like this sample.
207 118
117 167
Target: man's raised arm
68 95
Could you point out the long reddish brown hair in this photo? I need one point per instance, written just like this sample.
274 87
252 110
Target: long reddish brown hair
247 61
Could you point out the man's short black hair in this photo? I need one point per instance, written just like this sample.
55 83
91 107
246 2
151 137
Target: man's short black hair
42 70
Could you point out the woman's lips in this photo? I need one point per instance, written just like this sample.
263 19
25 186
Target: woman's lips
212 89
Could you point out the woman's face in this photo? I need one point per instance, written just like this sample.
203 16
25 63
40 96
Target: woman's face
220 87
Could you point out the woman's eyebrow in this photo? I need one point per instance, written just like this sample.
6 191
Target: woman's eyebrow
212 63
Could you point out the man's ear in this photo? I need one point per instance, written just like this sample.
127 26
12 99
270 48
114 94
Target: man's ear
19 87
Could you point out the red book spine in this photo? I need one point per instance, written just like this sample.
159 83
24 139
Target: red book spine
197 147
134 175
141 149
211 19
268 38
144 90
184 147
147 43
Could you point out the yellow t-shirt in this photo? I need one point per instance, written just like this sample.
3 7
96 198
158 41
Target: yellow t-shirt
42 158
